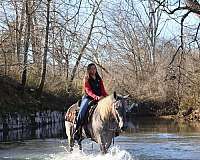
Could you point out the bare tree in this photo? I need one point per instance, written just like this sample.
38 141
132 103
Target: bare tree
191 6
27 43
44 64
19 26
94 12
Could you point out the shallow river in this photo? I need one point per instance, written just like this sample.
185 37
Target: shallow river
146 139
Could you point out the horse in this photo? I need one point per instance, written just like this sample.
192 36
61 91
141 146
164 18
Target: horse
106 122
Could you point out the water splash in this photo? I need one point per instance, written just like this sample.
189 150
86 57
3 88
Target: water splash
114 153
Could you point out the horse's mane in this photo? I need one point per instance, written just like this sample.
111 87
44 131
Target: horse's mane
104 107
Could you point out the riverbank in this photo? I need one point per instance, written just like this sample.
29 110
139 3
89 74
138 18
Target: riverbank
190 115
154 108
12 99
21 110
164 110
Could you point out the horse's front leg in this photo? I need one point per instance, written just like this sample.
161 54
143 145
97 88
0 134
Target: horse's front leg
105 145
80 145
103 148
102 144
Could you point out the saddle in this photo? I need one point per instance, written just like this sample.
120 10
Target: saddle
72 112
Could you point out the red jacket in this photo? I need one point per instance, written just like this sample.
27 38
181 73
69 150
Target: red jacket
89 92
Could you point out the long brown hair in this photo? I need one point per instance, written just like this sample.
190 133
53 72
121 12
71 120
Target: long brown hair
87 75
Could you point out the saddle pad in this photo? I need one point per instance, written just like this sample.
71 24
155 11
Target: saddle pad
72 114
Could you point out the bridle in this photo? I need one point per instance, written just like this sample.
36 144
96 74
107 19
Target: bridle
115 113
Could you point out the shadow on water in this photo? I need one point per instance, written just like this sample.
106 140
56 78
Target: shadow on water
135 125
162 125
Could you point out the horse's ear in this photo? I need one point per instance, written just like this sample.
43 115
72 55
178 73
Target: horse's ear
125 97
115 95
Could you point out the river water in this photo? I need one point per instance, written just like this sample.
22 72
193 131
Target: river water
146 139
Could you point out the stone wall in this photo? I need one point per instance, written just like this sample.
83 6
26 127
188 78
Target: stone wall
11 121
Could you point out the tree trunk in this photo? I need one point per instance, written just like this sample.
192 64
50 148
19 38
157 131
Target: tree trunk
5 62
26 45
19 29
36 45
42 81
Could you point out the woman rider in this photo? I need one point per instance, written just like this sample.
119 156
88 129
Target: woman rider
93 91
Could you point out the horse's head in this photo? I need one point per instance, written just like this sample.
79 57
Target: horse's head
119 107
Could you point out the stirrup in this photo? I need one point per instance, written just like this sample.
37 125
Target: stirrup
77 134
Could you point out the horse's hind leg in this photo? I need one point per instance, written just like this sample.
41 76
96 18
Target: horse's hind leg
71 144
69 131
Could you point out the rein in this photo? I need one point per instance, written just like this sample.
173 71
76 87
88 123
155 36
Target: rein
115 114
116 117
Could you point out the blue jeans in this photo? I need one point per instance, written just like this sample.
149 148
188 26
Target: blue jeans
83 110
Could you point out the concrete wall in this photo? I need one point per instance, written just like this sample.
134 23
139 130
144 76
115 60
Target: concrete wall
15 126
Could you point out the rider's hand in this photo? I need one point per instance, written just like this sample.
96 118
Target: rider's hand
101 97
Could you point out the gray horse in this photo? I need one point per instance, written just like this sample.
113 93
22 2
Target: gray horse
107 120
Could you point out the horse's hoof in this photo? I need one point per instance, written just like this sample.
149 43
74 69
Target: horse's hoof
69 149
103 153
80 148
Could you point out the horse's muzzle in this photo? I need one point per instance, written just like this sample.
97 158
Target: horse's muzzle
124 128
